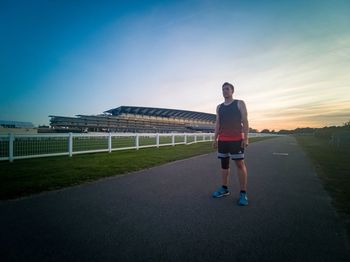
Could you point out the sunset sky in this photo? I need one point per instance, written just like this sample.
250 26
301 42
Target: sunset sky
289 60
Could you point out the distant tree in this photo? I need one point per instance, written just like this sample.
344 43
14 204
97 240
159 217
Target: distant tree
284 131
265 131
304 130
252 130
347 124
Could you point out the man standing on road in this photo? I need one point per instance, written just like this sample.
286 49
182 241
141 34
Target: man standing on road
231 137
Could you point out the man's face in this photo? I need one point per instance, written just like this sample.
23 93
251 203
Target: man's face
227 91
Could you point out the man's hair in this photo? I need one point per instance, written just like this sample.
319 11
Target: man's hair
229 84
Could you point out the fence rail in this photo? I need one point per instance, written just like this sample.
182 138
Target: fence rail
21 146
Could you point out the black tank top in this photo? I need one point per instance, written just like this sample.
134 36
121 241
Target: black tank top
230 125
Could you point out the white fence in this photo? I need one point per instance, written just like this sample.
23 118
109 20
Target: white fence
20 146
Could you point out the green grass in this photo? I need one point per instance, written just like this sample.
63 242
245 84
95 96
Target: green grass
30 176
333 167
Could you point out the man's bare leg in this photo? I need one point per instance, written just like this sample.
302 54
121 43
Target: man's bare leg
242 174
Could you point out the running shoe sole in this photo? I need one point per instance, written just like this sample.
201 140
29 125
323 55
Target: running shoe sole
226 194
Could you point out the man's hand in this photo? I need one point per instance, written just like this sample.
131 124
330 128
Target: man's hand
215 144
244 143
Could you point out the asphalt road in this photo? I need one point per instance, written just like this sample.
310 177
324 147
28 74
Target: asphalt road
166 213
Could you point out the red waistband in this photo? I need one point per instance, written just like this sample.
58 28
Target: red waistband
231 138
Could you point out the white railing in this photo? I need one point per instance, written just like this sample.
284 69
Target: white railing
20 146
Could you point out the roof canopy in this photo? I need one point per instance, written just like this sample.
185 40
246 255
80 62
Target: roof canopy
162 112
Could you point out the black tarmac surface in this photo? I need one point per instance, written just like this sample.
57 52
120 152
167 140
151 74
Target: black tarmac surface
166 213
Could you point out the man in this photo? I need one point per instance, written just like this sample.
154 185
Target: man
231 137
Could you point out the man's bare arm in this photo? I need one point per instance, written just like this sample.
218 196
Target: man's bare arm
217 124
245 123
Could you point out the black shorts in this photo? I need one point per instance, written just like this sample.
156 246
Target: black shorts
231 149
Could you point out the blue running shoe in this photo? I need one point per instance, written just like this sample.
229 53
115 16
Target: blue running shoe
221 192
243 199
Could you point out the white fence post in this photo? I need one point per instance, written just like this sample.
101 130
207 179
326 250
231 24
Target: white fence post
110 142
173 140
203 137
11 140
185 139
137 142
70 144
157 138
195 138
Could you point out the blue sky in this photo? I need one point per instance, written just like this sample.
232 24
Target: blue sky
289 60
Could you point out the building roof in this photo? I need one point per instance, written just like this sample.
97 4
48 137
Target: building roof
162 112
16 123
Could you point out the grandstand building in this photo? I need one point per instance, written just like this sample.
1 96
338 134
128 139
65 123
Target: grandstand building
136 119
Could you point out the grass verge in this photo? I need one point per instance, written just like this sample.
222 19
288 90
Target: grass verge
30 176
333 167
